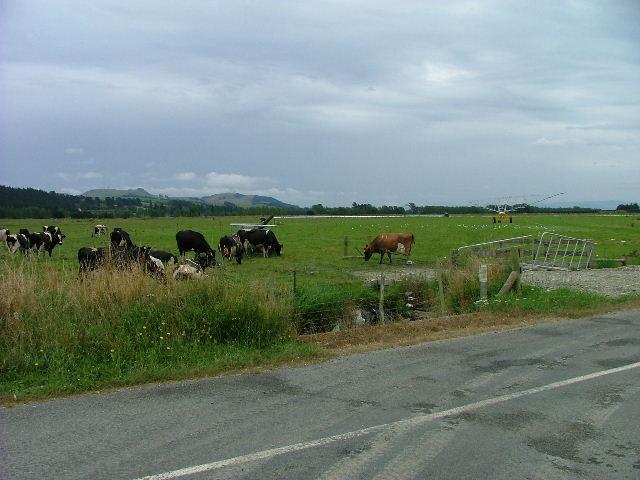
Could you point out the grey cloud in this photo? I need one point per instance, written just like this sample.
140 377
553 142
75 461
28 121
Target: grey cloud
378 102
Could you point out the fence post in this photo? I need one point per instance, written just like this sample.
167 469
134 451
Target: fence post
443 309
516 266
381 302
346 247
482 276
512 280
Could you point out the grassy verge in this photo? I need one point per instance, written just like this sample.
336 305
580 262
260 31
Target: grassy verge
62 334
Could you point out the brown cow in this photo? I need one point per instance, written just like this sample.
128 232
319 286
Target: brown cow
388 243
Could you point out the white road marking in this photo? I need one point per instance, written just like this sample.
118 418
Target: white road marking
413 421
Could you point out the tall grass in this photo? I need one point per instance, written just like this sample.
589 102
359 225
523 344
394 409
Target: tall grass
60 332
113 324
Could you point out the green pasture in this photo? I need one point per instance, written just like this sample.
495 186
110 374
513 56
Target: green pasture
314 246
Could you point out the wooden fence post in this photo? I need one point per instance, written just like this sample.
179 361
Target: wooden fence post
514 277
381 302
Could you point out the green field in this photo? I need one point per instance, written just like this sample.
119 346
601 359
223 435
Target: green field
60 333
316 244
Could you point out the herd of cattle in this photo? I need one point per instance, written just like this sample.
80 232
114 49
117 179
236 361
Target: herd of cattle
32 242
122 252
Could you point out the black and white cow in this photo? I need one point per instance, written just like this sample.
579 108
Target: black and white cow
45 241
164 257
131 255
231 246
99 230
120 238
53 229
140 255
18 241
191 269
189 240
259 238
91 258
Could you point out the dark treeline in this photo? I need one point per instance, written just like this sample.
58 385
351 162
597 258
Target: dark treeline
33 203
412 208
629 207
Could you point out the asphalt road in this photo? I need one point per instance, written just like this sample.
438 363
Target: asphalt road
558 400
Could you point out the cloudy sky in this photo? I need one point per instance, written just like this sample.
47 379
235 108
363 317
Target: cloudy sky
323 102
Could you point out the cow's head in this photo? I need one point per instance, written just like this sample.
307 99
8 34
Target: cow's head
368 251
12 243
278 248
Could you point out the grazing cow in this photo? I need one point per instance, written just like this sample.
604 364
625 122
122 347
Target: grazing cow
99 230
261 238
18 241
127 256
45 241
188 240
52 229
231 246
120 238
388 243
164 257
91 258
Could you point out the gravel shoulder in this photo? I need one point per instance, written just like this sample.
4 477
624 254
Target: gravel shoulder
612 282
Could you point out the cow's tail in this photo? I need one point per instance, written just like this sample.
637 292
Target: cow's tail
413 239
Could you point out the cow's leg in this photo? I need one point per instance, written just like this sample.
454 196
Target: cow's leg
389 253
381 257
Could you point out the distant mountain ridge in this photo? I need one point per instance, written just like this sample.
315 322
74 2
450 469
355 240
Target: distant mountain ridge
114 192
220 199
244 201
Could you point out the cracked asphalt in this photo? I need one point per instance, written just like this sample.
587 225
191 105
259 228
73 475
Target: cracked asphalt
588 429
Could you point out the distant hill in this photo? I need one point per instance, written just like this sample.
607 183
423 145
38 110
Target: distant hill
245 201
113 192
219 199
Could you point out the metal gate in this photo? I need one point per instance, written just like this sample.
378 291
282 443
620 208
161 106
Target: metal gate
523 246
552 251
562 252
